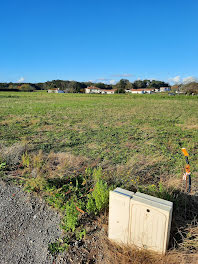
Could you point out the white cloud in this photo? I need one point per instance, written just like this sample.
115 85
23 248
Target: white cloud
103 79
123 75
176 79
190 79
112 81
22 79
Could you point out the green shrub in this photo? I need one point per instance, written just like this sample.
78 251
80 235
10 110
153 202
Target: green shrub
91 206
70 219
99 198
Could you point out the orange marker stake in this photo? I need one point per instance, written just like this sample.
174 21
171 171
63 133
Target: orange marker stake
187 169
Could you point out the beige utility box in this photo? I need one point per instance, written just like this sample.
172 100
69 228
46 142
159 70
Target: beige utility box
139 219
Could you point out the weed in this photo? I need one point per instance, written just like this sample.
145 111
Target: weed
2 165
98 199
26 160
38 160
35 184
80 234
91 206
70 220
58 247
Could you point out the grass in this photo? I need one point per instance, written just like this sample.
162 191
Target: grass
71 148
109 128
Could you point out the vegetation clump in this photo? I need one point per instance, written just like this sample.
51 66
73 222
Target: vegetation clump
70 219
99 198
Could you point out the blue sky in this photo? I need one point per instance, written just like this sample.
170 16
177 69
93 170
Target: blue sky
99 40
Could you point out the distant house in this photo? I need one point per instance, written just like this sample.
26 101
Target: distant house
96 90
149 90
92 89
104 91
140 91
137 91
164 89
55 90
156 90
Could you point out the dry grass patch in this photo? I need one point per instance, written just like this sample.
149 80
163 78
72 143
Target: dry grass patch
63 164
190 240
119 254
122 254
45 128
34 121
172 182
12 155
139 166
92 146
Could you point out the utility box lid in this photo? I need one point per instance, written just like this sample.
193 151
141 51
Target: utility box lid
124 192
139 219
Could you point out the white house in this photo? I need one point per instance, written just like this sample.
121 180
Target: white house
96 90
140 91
55 90
104 91
92 89
164 89
137 91
149 90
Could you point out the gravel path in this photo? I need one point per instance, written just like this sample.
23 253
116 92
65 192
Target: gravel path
27 226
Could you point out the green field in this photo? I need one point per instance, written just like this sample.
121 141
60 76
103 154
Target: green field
77 142
114 130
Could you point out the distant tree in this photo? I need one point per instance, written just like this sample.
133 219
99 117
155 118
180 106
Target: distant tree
26 87
190 88
139 84
101 85
74 87
157 84
122 85
89 84
13 86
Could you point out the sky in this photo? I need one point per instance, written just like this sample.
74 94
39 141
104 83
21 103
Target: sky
98 40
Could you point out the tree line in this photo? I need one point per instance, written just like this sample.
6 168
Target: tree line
79 87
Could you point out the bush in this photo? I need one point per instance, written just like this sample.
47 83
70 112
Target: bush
70 219
99 198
